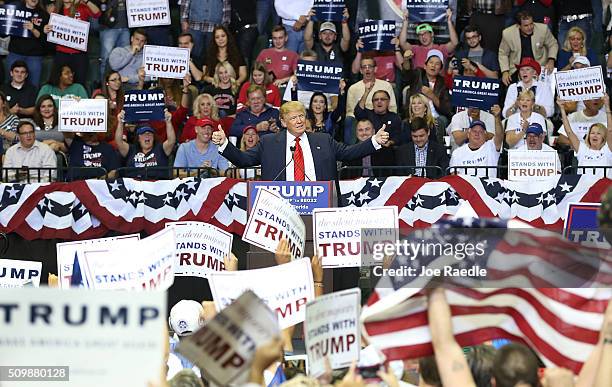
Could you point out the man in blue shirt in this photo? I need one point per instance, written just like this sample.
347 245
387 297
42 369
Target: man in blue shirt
262 116
200 152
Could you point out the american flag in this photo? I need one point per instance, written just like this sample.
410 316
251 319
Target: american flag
91 208
561 324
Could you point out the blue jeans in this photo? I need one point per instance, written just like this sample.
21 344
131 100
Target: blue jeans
34 66
585 24
295 41
109 39
265 10
201 40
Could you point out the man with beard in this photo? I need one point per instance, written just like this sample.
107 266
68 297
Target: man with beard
475 57
327 48
534 140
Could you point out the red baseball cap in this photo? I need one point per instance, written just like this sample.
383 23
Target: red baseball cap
249 127
204 122
529 62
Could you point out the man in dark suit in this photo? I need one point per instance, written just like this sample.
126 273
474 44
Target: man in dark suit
421 152
313 155
383 157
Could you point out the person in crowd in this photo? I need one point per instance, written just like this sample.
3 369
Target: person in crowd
224 89
534 140
529 71
112 90
386 61
200 152
383 157
29 153
573 47
127 60
279 60
61 84
457 130
318 114
526 39
430 82
249 140
519 122
185 40
355 92
582 120
418 107
259 114
314 160
294 16
261 77
575 14
146 152
474 55
420 52
421 152
114 30
327 47
204 106
244 27
32 49
479 151
380 114
223 48
593 149
77 60
46 120
8 124
490 18
20 93
200 18
90 157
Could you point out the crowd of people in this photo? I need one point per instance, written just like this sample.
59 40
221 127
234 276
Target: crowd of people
231 86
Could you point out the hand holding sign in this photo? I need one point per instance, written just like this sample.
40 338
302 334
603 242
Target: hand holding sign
382 136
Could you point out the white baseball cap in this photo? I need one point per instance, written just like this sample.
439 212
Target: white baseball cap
582 59
186 317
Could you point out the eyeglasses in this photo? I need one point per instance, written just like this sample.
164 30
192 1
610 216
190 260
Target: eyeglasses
475 36
31 132
380 99
368 66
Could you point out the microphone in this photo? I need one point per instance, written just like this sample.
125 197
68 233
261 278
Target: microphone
292 149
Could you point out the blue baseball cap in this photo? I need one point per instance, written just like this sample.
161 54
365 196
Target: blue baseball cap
535 128
145 129
478 122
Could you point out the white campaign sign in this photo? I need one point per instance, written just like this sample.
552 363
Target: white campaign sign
66 252
84 115
16 274
224 348
200 248
144 265
338 233
69 32
145 13
166 62
331 330
271 219
285 288
580 84
532 165
119 338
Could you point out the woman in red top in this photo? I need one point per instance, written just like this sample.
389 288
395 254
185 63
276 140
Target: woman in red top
78 60
261 77
204 106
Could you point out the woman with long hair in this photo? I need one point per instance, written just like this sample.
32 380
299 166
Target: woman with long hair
78 60
418 106
61 84
223 48
45 118
204 106
516 126
593 150
32 49
573 47
321 119
8 123
224 89
261 77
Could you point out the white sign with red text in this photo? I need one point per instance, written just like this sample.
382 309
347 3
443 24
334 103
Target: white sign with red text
165 62
145 13
285 288
83 115
68 31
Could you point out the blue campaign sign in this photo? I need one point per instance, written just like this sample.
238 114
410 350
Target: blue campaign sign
304 196
581 224
12 18
471 92
144 105
328 10
376 35
432 11
319 76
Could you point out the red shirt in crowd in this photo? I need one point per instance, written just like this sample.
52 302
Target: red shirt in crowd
82 12
273 96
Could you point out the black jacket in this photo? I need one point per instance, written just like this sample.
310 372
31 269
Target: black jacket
436 156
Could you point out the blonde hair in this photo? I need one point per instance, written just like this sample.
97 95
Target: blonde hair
599 126
425 101
526 94
243 141
230 69
196 106
572 31
291 106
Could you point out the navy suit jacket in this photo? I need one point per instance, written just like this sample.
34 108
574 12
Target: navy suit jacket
270 154
436 156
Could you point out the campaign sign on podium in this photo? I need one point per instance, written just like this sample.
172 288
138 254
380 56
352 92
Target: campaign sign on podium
304 196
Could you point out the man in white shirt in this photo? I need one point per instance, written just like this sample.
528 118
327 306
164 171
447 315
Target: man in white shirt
458 128
479 151
29 153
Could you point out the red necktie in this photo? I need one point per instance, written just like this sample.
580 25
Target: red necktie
298 162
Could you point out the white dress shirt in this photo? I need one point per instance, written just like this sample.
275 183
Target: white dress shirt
309 167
